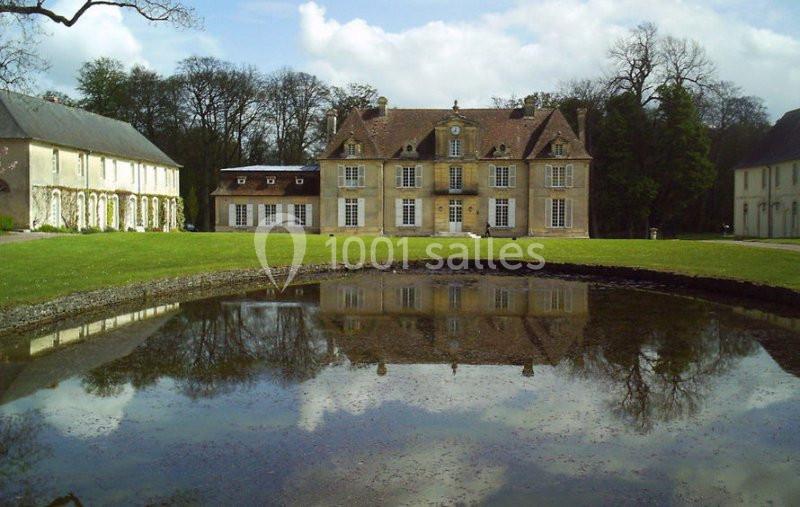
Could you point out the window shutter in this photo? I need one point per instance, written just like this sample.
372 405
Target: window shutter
492 176
398 176
418 176
418 212
249 215
290 212
361 175
512 176
231 215
309 215
568 176
278 211
361 212
548 213
548 176
398 212
567 213
340 168
262 214
341 212
512 212
492 212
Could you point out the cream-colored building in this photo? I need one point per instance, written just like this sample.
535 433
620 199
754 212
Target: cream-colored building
249 196
511 172
767 184
67 167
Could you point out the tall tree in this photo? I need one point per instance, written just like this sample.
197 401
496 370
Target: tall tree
684 171
103 84
352 96
635 59
627 188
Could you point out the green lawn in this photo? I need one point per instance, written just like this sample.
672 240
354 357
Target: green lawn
38 270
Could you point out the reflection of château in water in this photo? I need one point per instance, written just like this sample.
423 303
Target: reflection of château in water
459 319
29 365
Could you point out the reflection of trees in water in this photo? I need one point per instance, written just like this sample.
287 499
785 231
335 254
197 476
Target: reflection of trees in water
20 450
659 353
211 348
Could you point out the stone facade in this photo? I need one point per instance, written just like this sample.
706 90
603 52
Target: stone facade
508 172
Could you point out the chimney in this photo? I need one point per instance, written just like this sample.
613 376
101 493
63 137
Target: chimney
529 106
330 125
52 98
382 103
582 125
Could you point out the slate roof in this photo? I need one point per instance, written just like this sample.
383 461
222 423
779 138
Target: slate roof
256 183
383 137
25 117
272 168
781 143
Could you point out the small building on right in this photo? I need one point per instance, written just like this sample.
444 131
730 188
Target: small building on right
767 184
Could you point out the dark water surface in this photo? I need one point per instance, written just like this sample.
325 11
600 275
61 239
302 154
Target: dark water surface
409 389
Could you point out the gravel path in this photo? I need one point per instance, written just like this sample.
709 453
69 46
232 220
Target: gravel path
17 237
759 244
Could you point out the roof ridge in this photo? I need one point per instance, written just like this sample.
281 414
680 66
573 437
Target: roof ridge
79 109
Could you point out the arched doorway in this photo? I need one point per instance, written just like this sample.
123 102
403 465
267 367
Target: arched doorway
92 214
81 205
102 212
55 208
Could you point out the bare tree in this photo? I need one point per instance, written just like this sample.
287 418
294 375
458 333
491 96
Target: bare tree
685 63
634 61
153 10
19 62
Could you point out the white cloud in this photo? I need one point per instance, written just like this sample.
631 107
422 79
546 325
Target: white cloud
535 46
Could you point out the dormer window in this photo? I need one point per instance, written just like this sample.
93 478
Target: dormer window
271 180
298 181
558 149
455 148
409 148
350 149
241 180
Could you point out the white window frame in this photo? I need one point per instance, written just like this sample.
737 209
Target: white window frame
300 214
351 176
270 180
502 176
350 212
240 215
456 180
298 181
558 149
455 148
241 180
409 212
502 211
559 213
55 162
408 177
270 218
351 149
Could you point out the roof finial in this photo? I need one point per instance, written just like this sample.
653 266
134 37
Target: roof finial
455 105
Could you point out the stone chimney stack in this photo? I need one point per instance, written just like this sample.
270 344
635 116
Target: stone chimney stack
582 125
330 124
529 106
382 103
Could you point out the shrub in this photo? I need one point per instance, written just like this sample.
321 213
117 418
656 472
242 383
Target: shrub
90 230
6 223
50 228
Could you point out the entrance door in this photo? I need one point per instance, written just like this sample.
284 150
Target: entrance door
456 215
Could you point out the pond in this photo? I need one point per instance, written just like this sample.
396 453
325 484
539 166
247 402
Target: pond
408 389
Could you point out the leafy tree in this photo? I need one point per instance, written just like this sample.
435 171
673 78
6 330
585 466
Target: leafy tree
59 97
627 188
682 147
353 96
192 206
104 86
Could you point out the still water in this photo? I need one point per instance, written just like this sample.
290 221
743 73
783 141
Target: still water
408 389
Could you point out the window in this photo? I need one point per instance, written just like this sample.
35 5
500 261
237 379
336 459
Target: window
409 212
144 212
55 207
81 165
103 167
456 179
558 217
558 149
241 215
454 297
351 212
502 299
350 150
270 180
408 297
746 178
453 326
270 213
501 176
501 213
116 171
298 181
54 162
351 178
408 177
300 214
241 180
351 297
455 147
559 177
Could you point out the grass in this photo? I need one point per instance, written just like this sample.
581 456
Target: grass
782 241
39 270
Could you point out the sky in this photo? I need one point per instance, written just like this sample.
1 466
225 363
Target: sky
426 53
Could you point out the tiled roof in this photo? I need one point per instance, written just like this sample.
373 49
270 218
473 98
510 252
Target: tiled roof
781 143
256 183
385 136
25 117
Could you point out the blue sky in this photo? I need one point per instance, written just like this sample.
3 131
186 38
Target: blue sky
427 53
